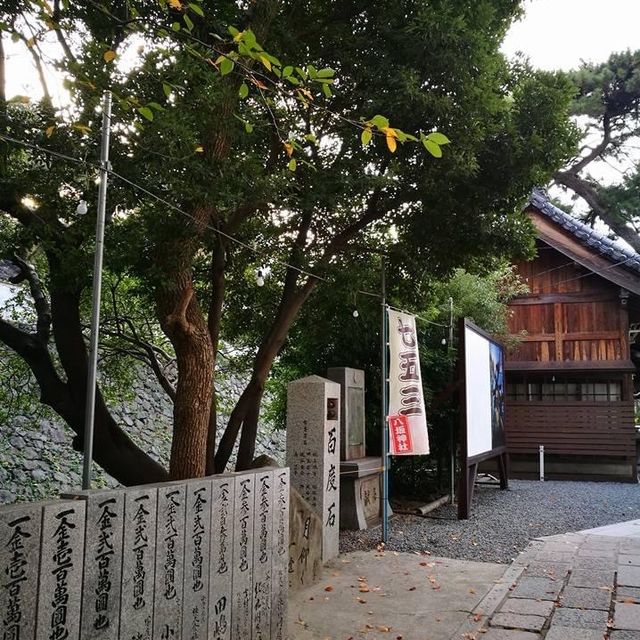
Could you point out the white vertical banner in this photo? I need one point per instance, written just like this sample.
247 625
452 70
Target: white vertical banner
408 435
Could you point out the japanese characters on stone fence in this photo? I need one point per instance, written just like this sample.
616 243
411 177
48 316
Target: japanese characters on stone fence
195 560
313 451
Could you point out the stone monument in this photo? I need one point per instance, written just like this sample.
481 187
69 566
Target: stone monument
221 563
102 564
262 554
313 451
19 554
170 536
195 611
61 560
242 583
138 563
280 551
360 492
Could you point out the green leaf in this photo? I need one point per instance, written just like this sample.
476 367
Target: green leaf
293 80
176 26
326 89
326 73
293 165
379 121
156 106
196 8
243 91
432 147
233 31
188 21
287 71
366 137
250 39
248 127
311 138
438 138
146 112
167 88
226 66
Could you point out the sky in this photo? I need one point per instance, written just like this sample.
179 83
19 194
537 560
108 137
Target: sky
559 34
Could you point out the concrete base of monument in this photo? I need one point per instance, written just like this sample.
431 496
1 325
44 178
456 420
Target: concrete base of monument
360 491
369 594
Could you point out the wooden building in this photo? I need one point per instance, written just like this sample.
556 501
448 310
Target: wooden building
570 381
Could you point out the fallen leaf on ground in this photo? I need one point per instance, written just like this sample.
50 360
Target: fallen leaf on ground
328 588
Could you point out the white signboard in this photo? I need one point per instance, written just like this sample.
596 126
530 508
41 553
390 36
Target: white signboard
408 434
484 383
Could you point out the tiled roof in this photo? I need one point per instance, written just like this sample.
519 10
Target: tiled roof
585 234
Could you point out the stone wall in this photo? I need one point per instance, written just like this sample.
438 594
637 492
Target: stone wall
37 460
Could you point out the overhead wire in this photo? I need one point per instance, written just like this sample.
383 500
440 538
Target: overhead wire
172 206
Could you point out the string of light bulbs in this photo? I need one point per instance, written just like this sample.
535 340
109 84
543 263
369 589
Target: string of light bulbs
261 272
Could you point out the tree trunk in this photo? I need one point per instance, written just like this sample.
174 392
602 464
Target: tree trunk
113 450
246 412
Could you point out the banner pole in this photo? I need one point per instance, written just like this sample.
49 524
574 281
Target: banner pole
385 425
452 441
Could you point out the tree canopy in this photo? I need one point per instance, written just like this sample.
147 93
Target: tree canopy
301 139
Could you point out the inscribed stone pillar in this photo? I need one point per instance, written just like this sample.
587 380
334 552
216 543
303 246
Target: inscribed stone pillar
262 554
221 562
168 601
313 451
102 564
242 598
196 560
280 559
19 564
138 563
61 558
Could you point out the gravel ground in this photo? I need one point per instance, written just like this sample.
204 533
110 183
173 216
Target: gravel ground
503 522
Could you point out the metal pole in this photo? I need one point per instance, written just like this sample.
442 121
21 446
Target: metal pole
541 463
452 443
385 408
97 288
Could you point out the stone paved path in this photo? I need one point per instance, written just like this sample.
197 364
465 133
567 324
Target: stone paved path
577 586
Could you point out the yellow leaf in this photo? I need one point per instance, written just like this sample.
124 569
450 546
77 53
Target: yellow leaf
30 42
199 149
390 132
265 61
175 4
49 131
391 142
288 147
109 55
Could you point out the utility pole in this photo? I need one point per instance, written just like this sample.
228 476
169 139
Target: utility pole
97 290
385 425
452 441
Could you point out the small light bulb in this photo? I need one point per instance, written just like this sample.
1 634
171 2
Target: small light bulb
443 341
355 313
260 278
81 209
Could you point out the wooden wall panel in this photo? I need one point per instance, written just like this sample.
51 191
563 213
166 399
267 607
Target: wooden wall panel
580 428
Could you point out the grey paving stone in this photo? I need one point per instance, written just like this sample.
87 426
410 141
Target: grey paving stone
557 570
537 588
624 635
580 619
571 633
504 634
627 616
555 556
592 579
585 598
596 553
518 621
625 593
629 576
629 559
527 607
594 564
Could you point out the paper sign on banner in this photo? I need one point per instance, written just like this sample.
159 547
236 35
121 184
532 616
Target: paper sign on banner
406 400
400 434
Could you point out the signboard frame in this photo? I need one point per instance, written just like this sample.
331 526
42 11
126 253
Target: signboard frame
469 463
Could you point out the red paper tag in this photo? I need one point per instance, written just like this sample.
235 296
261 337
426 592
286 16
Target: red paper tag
400 434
